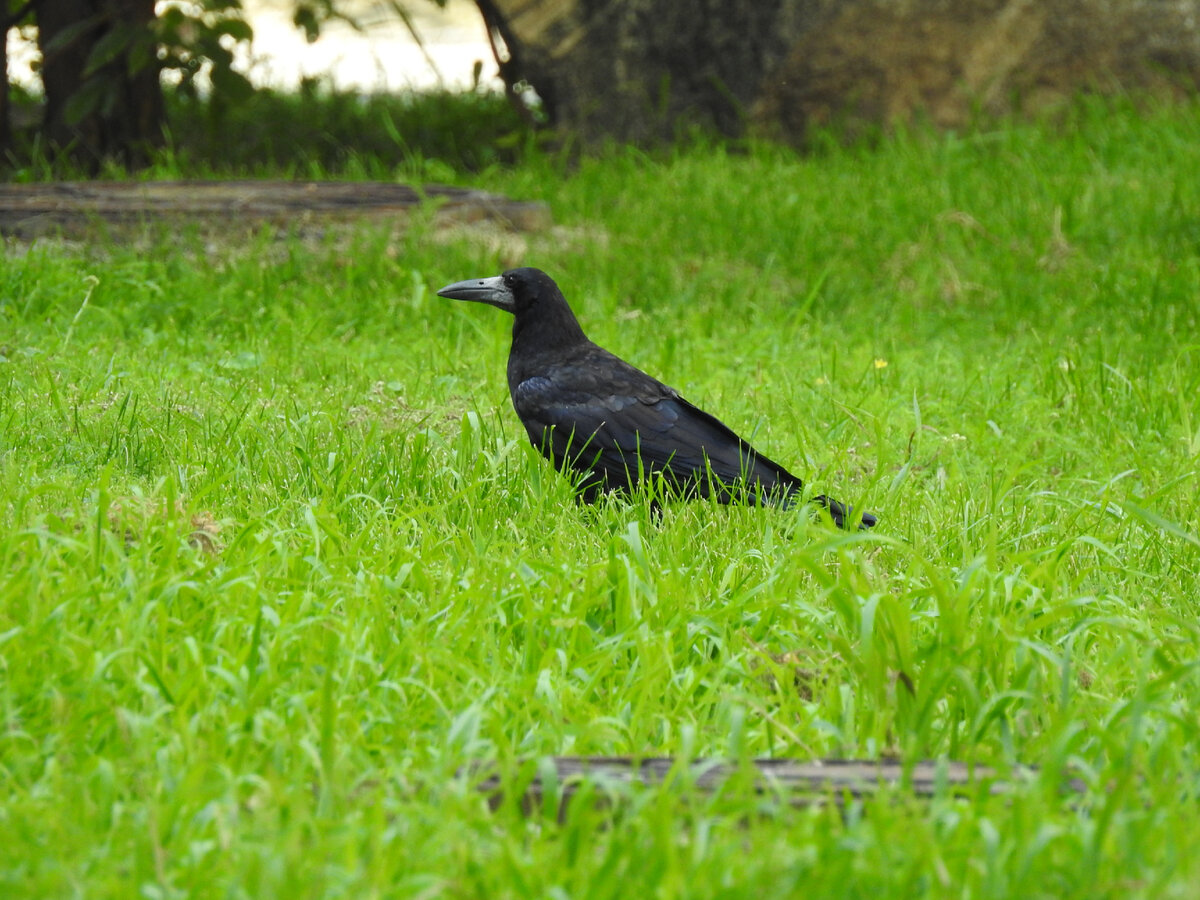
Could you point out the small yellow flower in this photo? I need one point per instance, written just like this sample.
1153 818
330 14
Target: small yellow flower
881 363
821 380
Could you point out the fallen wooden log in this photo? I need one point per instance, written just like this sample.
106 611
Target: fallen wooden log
79 208
800 783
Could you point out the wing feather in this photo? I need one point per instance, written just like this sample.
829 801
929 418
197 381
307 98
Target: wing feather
633 426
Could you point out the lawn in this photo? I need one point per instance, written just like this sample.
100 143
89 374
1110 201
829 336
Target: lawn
277 560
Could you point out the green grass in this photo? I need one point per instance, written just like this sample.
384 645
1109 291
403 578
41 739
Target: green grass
321 131
318 132
276 560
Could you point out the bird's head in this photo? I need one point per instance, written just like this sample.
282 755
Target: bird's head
517 290
542 318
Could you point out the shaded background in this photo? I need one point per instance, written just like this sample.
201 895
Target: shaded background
644 71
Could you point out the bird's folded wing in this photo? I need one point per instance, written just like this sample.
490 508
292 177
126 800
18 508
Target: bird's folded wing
610 432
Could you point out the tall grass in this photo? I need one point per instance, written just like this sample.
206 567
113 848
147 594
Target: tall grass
318 132
277 560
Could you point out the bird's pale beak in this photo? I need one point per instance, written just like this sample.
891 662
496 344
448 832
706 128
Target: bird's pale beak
482 290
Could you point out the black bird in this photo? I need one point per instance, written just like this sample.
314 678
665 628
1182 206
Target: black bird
594 413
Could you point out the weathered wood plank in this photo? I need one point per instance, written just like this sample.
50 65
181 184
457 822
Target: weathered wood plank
802 783
80 207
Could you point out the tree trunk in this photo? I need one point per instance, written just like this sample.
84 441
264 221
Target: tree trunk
101 77
643 70
5 122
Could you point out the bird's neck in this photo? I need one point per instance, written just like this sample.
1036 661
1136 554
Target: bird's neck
548 330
